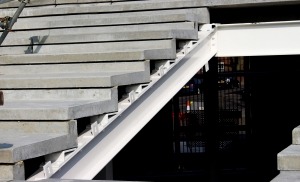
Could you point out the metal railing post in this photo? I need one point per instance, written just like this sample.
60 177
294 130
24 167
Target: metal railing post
11 21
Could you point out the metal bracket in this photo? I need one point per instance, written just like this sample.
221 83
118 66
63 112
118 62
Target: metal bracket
95 128
48 170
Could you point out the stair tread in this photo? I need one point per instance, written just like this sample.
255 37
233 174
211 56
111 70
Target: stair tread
287 176
55 109
105 37
77 80
20 146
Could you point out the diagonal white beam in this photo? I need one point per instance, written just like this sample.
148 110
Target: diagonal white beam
94 156
258 39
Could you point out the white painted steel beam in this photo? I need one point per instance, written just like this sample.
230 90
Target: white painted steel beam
96 154
258 39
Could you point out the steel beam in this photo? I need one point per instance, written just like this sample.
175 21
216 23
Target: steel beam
94 156
258 39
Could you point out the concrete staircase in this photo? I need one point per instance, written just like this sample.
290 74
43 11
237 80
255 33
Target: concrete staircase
288 160
68 63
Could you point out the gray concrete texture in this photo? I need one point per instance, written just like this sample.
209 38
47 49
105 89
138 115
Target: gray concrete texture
287 176
289 158
104 37
90 47
102 29
12 171
155 18
75 68
32 141
296 135
87 57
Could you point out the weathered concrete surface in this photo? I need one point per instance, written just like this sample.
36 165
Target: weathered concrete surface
296 135
55 110
103 29
89 57
105 37
62 104
33 140
90 47
12 171
287 176
147 5
98 94
203 12
156 18
289 158
75 68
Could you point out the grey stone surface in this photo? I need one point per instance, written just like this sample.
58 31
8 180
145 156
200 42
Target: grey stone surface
61 94
119 7
62 104
86 57
12 171
296 135
55 110
106 37
19 146
102 29
75 68
91 47
156 18
287 176
289 158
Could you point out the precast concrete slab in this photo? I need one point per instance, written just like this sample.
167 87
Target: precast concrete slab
296 135
289 158
60 104
287 176
90 47
102 29
73 80
10 172
203 12
75 68
19 146
156 18
105 37
99 94
136 6
87 57
55 110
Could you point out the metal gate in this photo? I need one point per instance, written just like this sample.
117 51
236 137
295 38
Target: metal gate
193 129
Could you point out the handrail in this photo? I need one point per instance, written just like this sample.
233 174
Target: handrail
7 22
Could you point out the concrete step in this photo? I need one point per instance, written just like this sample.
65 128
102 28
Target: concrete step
135 6
287 176
88 57
58 104
296 135
29 139
74 68
199 11
124 20
12 172
54 3
289 158
73 80
104 37
102 29
91 47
